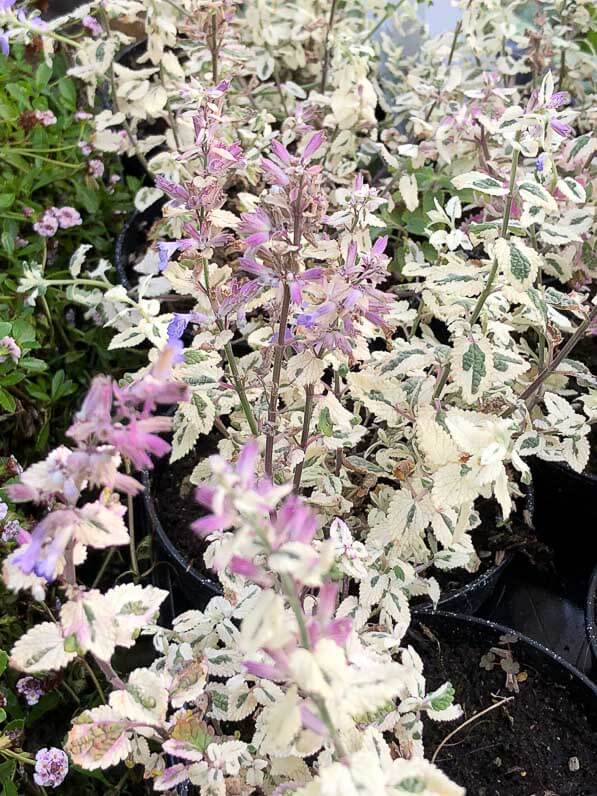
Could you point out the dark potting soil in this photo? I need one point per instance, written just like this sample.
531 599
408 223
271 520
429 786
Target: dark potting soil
177 510
176 507
493 539
526 747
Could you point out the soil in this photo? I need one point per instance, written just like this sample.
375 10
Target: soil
175 505
521 749
492 541
176 508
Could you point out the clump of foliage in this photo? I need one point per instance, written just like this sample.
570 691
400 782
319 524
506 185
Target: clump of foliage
57 194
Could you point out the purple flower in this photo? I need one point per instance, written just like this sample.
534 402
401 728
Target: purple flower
558 99
86 148
31 689
68 217
96 168
165 251
82 116
92 25
256 228
312 146
11 531
9 348
47 226
3 510
561 128
179 323
47 118
51 767
540 162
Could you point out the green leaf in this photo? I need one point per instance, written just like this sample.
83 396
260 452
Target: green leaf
324 423
7 402
43 74
3 661
474 360
10 231
57 383
7 772
34 364
412 785
444 700
67 90
6 200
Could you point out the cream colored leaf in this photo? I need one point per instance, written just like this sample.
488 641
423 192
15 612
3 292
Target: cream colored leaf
41 649
435 443
472 366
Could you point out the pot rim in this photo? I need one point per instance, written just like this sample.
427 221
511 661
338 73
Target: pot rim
214 586
591 613
209 584
480 622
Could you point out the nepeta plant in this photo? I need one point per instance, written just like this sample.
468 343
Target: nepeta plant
315 679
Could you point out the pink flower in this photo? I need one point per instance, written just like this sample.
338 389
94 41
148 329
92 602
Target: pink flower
9 348
256 228
51 767
47 118
47 226
122 417
96 168
82 116
561 128
92 25
67 217
86 148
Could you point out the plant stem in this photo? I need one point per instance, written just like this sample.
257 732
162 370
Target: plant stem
104 566
240 389
95 681
87 282
295 604
457 30
492 274
326 50
17 756
337 393
70 692
131 524
214 49
561 355
277 371
308 413
231 359
467 722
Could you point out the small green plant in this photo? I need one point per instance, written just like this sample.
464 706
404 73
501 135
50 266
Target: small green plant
56 194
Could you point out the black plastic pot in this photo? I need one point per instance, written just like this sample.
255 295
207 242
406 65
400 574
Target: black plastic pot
591 614
539 656
453 629
196 588
469 598
565 512
132 236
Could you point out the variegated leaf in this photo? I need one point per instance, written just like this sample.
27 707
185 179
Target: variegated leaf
472 366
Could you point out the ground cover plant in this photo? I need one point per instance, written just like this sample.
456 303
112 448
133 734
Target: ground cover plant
58 193
364 291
